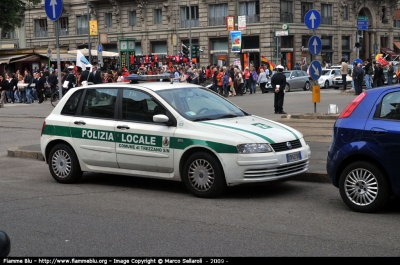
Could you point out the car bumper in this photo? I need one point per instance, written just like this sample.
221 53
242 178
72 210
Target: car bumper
255 168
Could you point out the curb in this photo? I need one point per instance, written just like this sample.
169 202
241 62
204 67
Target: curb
16 152
311 116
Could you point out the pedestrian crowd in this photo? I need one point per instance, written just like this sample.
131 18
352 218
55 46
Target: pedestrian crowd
370 73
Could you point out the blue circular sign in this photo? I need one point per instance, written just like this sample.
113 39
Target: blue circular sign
53 9
312 19
315 45
315 70
358 60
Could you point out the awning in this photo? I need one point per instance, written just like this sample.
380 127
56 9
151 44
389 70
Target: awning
7 58
397 43
389 52
27 58
63 57
85 52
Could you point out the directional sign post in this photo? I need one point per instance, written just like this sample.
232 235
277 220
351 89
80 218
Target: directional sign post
53 10
312 19
315 70
315 45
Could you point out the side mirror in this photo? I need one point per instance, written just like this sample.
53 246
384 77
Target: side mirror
5 245
160 118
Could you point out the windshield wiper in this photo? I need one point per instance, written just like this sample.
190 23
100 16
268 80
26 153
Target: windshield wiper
203 119
227 116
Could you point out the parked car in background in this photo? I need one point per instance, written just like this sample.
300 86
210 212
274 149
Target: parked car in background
329 77
363 158
338 82
295 79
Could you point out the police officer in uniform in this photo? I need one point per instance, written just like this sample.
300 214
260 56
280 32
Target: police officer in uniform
278 83
85 74
71 78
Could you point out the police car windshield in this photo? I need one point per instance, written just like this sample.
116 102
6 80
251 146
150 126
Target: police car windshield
197 104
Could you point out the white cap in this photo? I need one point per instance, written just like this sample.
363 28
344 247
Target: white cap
71 67
280 67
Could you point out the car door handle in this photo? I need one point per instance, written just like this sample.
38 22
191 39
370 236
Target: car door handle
123 127
80 122
376 130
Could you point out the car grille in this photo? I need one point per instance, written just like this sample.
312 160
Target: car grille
289 169
280 147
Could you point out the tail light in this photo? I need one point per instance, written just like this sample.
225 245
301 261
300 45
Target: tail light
43 126
352 106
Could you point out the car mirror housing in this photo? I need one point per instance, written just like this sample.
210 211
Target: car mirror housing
160 118
5 245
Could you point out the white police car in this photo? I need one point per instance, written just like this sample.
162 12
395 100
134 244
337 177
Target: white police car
175 131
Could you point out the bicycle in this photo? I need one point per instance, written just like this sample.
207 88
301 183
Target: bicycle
54 99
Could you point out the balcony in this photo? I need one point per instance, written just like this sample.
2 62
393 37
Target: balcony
217 21
63 32
186 23
82 31
287 17
326 20
253 18
41 33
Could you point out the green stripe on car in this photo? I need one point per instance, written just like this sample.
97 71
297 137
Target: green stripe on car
238 129
138 139
276 123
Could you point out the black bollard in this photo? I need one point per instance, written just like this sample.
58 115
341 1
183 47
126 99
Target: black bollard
5 245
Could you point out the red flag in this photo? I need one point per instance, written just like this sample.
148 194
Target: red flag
265 60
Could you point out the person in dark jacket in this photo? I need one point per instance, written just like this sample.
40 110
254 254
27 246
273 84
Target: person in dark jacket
214 78
278 82
379 75
52 80
95 76
358 76
40 87
85 74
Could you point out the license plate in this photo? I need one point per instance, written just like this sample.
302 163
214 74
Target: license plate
293 156
339 82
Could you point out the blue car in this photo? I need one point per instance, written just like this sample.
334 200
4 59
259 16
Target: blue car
364 156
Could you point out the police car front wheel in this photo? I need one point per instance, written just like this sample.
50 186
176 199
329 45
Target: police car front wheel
204 176
63 164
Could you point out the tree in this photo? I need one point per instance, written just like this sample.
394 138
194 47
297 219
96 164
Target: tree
12 12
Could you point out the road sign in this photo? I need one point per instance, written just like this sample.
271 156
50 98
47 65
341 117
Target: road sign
315 70
362 23
53 9
358 60
315 45
100 48
312 19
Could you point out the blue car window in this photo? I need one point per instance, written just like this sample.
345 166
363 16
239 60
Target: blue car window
390 108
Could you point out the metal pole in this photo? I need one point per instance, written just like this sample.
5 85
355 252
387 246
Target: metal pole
190 33
58 59
176 26
88 19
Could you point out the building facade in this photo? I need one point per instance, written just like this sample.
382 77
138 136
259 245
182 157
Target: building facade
159 27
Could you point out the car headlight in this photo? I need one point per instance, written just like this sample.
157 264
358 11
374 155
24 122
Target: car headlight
254 148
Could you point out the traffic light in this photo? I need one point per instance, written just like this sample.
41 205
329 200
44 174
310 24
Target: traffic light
194 51
185 51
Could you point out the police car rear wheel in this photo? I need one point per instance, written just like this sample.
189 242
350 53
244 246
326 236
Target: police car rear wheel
203 175
63 164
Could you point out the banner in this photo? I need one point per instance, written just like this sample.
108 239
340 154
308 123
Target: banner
93 28
81 61
241 22
230 23
236 38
